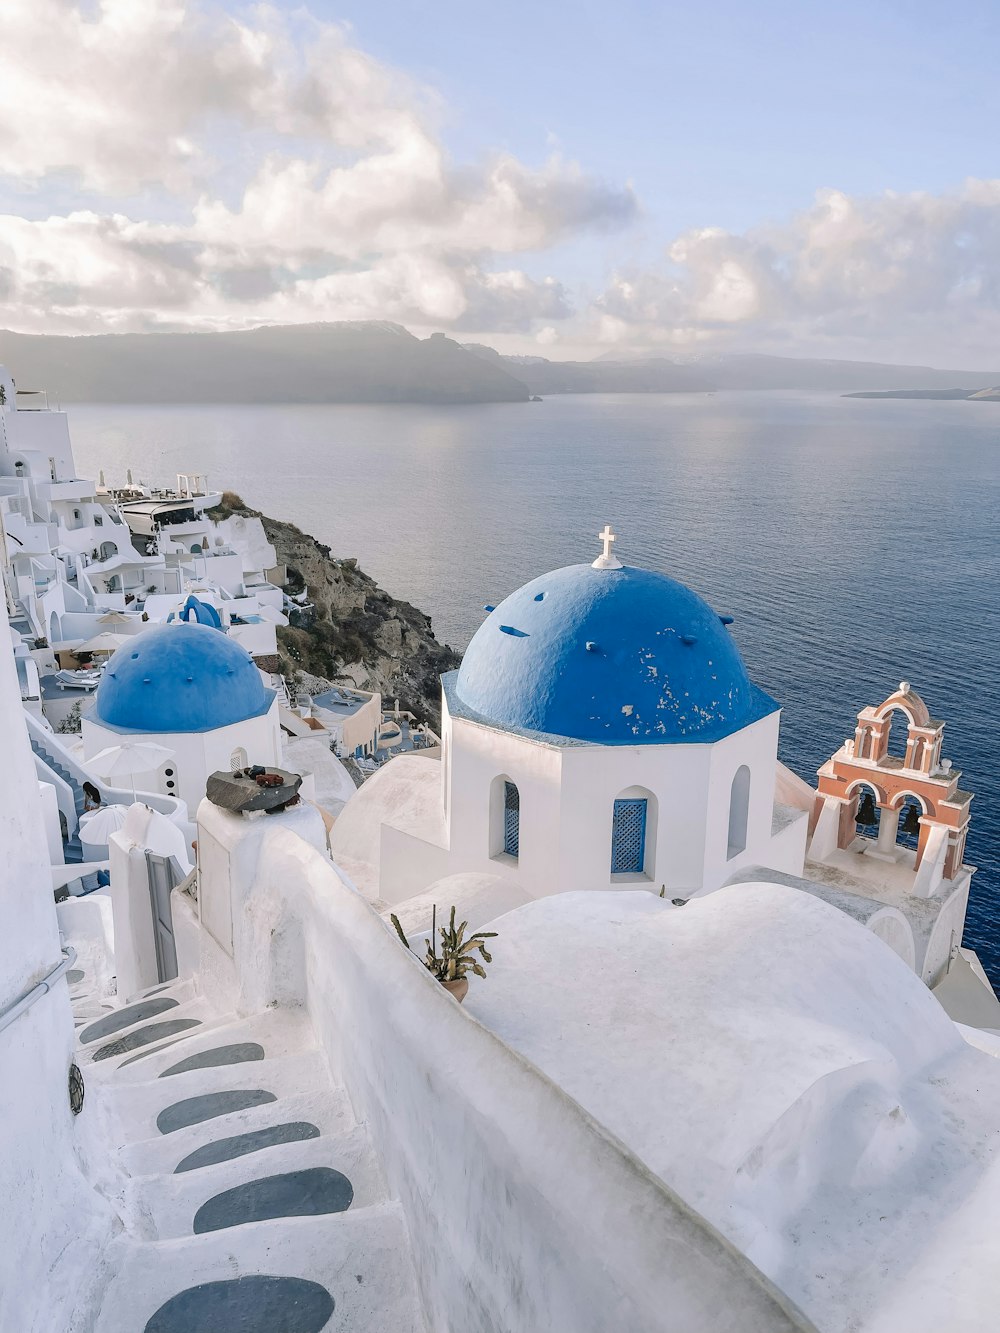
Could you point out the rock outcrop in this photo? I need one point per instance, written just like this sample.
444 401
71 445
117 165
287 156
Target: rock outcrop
356 632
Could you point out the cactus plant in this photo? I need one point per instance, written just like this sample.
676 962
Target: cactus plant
457 954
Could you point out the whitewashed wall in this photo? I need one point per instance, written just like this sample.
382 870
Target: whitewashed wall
52 1226
524 1214
197 753
567 795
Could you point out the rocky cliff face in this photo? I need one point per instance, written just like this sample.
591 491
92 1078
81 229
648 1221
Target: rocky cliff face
357 633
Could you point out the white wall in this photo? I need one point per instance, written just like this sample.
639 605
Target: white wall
52 1227
567 795
135 945
524 1214
196 753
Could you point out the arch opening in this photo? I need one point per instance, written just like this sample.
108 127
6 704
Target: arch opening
633 833
868 813
505 818
739 812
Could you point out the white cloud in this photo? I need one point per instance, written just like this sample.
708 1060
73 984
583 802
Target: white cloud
903 273
293 177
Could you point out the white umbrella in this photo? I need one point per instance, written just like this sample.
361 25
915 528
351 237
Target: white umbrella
97 826
124 761
108 641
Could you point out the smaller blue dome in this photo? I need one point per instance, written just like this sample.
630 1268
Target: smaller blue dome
202 612
618 656
177 678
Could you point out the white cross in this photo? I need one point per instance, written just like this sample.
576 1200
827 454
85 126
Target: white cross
606 560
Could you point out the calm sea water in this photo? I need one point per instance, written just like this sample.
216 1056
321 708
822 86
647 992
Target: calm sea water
853 539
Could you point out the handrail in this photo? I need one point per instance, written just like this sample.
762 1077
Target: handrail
22 1005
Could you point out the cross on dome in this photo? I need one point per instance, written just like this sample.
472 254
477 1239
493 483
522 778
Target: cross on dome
606 560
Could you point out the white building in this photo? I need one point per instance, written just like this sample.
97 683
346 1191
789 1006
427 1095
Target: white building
602 733
191 689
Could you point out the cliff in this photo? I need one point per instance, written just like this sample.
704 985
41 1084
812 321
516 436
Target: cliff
358 633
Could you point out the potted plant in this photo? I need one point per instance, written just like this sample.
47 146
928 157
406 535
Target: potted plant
457 957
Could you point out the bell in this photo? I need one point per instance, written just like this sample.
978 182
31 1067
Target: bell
866 811
911 821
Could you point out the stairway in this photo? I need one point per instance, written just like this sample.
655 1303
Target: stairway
251 1199
72 847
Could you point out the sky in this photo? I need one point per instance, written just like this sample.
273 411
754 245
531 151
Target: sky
565 180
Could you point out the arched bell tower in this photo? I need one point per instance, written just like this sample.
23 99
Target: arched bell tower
919 773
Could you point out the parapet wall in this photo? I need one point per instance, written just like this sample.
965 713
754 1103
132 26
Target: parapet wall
524 1213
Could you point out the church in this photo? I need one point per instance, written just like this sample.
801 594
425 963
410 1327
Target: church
603 733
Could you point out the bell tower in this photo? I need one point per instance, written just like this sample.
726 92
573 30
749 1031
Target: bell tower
919 775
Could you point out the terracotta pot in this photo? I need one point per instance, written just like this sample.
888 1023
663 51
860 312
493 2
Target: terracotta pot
459 988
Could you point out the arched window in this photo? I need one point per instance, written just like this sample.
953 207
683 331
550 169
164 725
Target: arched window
628 836
739 810
505 818
511 818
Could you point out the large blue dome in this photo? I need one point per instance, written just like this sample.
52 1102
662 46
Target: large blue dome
613 656
180 677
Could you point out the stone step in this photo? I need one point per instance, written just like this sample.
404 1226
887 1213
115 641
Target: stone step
125 1031
326 1109
163 1206
161 1107
359 1258
280 1031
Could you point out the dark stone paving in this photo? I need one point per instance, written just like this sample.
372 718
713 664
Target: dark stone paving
145 994
143 1055
307 1193
253 1304
224 1150
145 1036
236 1054
74 975
124 1018
193 1110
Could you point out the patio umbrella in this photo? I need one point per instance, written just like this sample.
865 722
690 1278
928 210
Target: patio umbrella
124 761
114 618
97 826
108 641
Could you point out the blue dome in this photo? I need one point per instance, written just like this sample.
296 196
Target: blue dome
611 656
180 677
203 612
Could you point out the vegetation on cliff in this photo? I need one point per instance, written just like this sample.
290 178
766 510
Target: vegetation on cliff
357 632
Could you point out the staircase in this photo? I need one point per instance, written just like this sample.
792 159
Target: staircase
72 848
249 1195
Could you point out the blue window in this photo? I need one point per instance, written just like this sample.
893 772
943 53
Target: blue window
628 837
511 818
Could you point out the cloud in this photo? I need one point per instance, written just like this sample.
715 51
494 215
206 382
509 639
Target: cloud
235 169
896 270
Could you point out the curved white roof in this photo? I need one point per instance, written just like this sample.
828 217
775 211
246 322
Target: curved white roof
777 1065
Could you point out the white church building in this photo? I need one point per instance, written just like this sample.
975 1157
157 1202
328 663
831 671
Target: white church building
602 733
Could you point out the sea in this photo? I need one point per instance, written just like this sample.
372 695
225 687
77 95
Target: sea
853 540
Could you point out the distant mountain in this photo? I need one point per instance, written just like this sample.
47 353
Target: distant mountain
991 395
640 376
384 363
751 370
305 363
